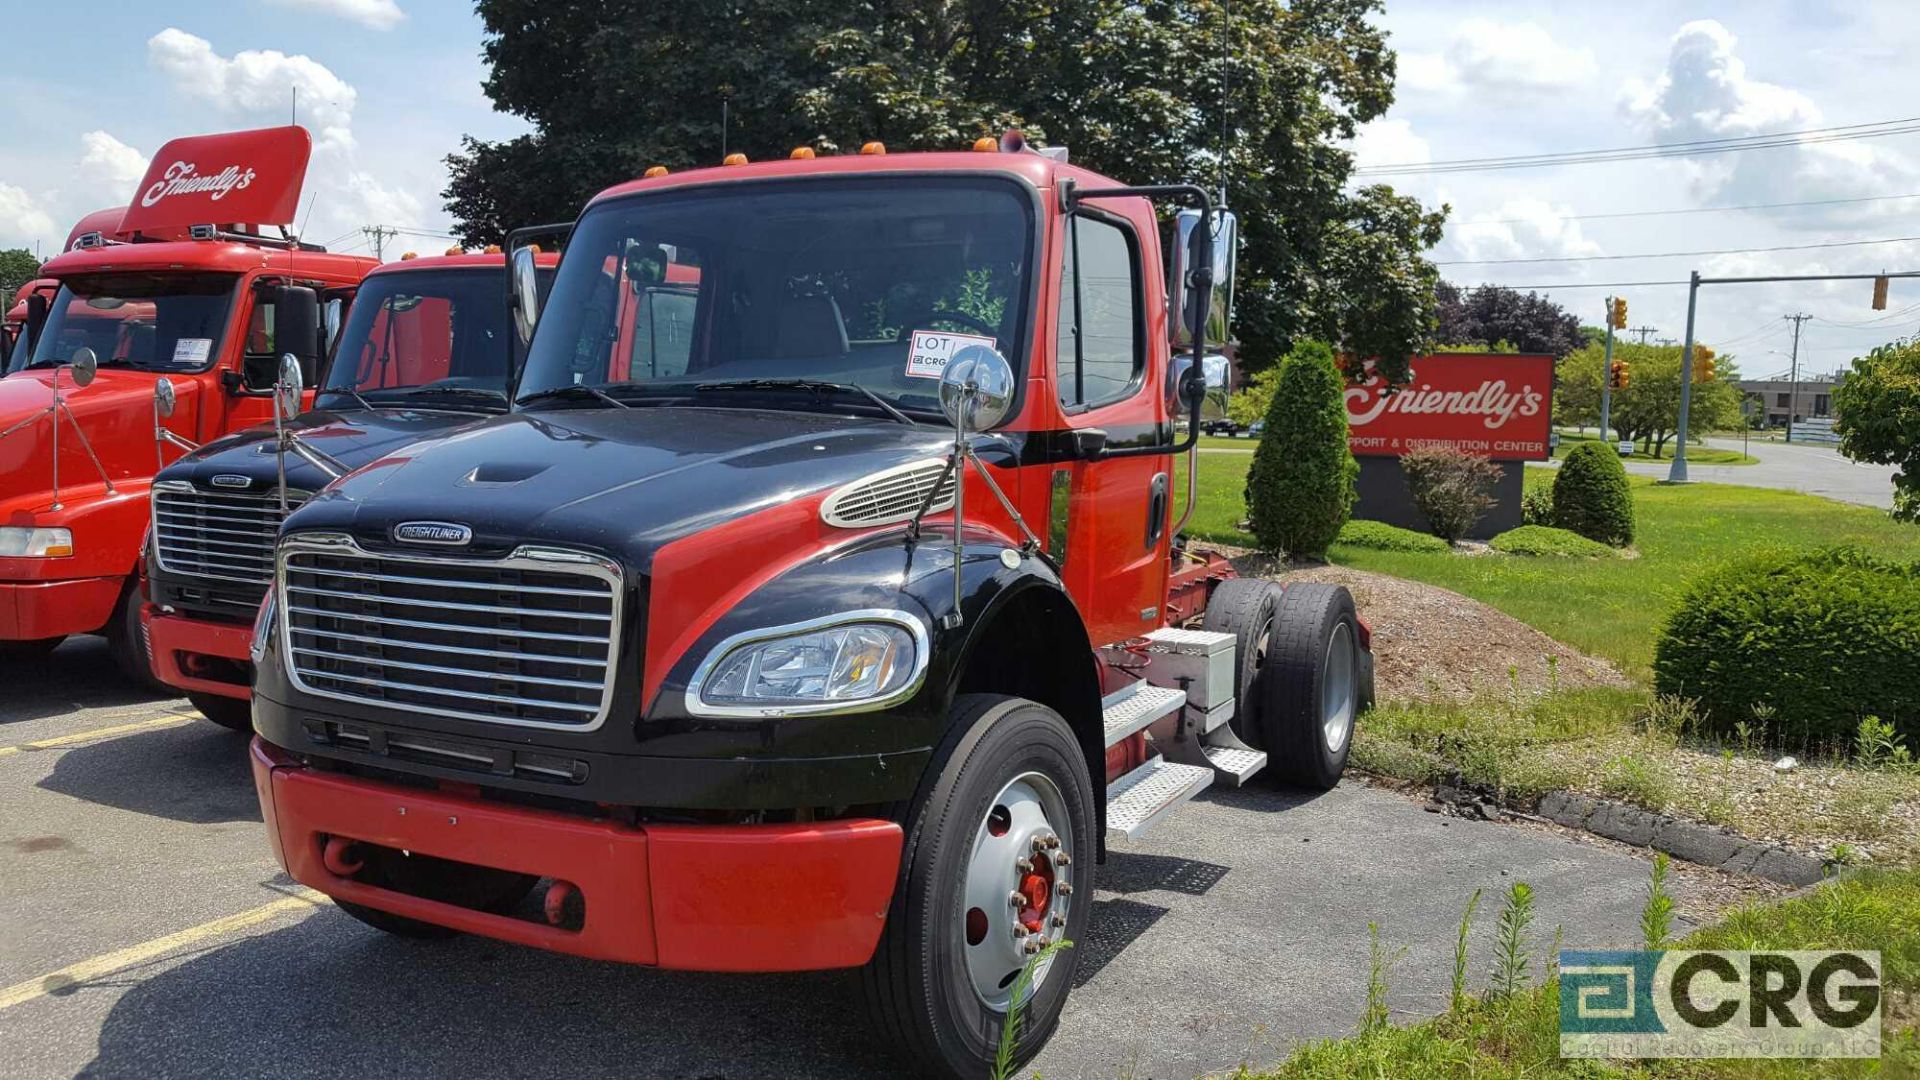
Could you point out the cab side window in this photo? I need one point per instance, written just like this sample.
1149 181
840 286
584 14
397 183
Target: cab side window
1111 333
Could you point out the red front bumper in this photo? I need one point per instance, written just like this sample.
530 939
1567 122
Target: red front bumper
690 897
31 610
181 646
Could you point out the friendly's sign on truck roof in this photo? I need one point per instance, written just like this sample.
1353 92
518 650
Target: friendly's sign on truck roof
1496 405
251 177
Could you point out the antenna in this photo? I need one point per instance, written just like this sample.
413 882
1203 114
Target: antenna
725 118
1226 96
293 111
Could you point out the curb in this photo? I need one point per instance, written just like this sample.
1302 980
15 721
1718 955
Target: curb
1705 845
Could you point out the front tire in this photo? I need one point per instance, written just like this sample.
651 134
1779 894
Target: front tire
1005 810
127 641
234 714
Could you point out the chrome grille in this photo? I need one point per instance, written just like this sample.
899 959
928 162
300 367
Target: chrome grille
217 534
525 640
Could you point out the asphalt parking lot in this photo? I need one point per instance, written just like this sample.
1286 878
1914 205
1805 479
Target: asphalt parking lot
146 932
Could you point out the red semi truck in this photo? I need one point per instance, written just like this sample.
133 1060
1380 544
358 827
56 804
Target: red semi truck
701 658
424 353
184 296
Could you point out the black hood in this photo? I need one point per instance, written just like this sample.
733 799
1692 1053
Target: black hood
619 481
353 437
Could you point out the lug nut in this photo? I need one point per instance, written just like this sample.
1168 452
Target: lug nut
1065 888
1017 898
1020 930
1039 844
1063 859
1031 946
1059 920
1023 864
1052 841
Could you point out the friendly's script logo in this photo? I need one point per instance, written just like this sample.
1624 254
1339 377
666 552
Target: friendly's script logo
1715 1004
184 178
1494 401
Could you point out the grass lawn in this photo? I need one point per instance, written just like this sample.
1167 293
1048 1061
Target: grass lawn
1489 1038
1696 455
1608 607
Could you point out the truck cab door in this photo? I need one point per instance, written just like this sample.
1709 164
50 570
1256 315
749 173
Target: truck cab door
1108 517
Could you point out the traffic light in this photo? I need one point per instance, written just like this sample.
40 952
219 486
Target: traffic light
1617 375
1879 294
1703 368
1617 316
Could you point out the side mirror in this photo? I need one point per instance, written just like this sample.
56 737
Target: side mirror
165 398
37 309
524 292
976 389
1216 304
1184 386
296 324
288 388
333 316
83 366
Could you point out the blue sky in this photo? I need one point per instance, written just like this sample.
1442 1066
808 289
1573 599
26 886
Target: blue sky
389 86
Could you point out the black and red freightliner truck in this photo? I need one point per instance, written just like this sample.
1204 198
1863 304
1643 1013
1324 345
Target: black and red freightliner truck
701 659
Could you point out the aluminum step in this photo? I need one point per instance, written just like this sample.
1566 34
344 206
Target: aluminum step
1233 765
1142 797
1133 708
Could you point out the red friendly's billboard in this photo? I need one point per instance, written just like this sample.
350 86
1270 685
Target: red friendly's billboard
1496 405
237 177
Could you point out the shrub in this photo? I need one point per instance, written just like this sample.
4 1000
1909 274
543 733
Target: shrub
1590 495
1815 641
1300 486
1451 488
1536 503
1383 537
1542 540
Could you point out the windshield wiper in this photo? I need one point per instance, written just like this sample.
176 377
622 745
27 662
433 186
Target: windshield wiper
572 390
447 391
815 386
354 394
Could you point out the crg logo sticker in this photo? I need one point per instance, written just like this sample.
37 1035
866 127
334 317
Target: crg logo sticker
231 480
432 532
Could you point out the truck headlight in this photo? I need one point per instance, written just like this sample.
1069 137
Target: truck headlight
856 662
21 542
262 626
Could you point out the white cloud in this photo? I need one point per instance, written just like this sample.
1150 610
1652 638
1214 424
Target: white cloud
1705 92
259 83
373 14
1522 228
1499 58
23 219
109 166
1389 141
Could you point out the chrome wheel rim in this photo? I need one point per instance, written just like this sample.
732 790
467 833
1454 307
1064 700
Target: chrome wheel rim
1018 890
1337 690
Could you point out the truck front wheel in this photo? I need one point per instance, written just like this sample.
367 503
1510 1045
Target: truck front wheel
997 867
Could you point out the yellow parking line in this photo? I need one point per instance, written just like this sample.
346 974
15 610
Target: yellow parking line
96 733
107 963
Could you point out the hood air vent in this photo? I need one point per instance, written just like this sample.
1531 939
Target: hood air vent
889 496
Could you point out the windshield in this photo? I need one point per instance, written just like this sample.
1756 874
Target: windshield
415 335
152 321
18 352
828 281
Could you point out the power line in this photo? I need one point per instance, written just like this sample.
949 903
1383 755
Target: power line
1678 254
1684 210
1577 284
1687 148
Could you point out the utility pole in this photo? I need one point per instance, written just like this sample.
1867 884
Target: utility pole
1678 474
379 235
1643 331
1793 390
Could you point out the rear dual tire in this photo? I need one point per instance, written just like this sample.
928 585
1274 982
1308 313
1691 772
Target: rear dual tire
1302 676
1009 772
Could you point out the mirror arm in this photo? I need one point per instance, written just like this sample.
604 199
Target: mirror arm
1200 275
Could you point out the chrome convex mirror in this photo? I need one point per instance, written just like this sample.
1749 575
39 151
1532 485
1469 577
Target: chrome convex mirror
165 398
976 389
288 389
525 284
84 365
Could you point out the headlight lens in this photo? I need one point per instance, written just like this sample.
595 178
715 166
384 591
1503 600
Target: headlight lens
262 626
21 542
851 663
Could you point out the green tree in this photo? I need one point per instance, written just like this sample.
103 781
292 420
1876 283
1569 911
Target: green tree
1300 487
1139 91
1648 409
17 267
1876 410
1253 402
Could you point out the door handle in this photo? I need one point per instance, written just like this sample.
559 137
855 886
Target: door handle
1156 509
